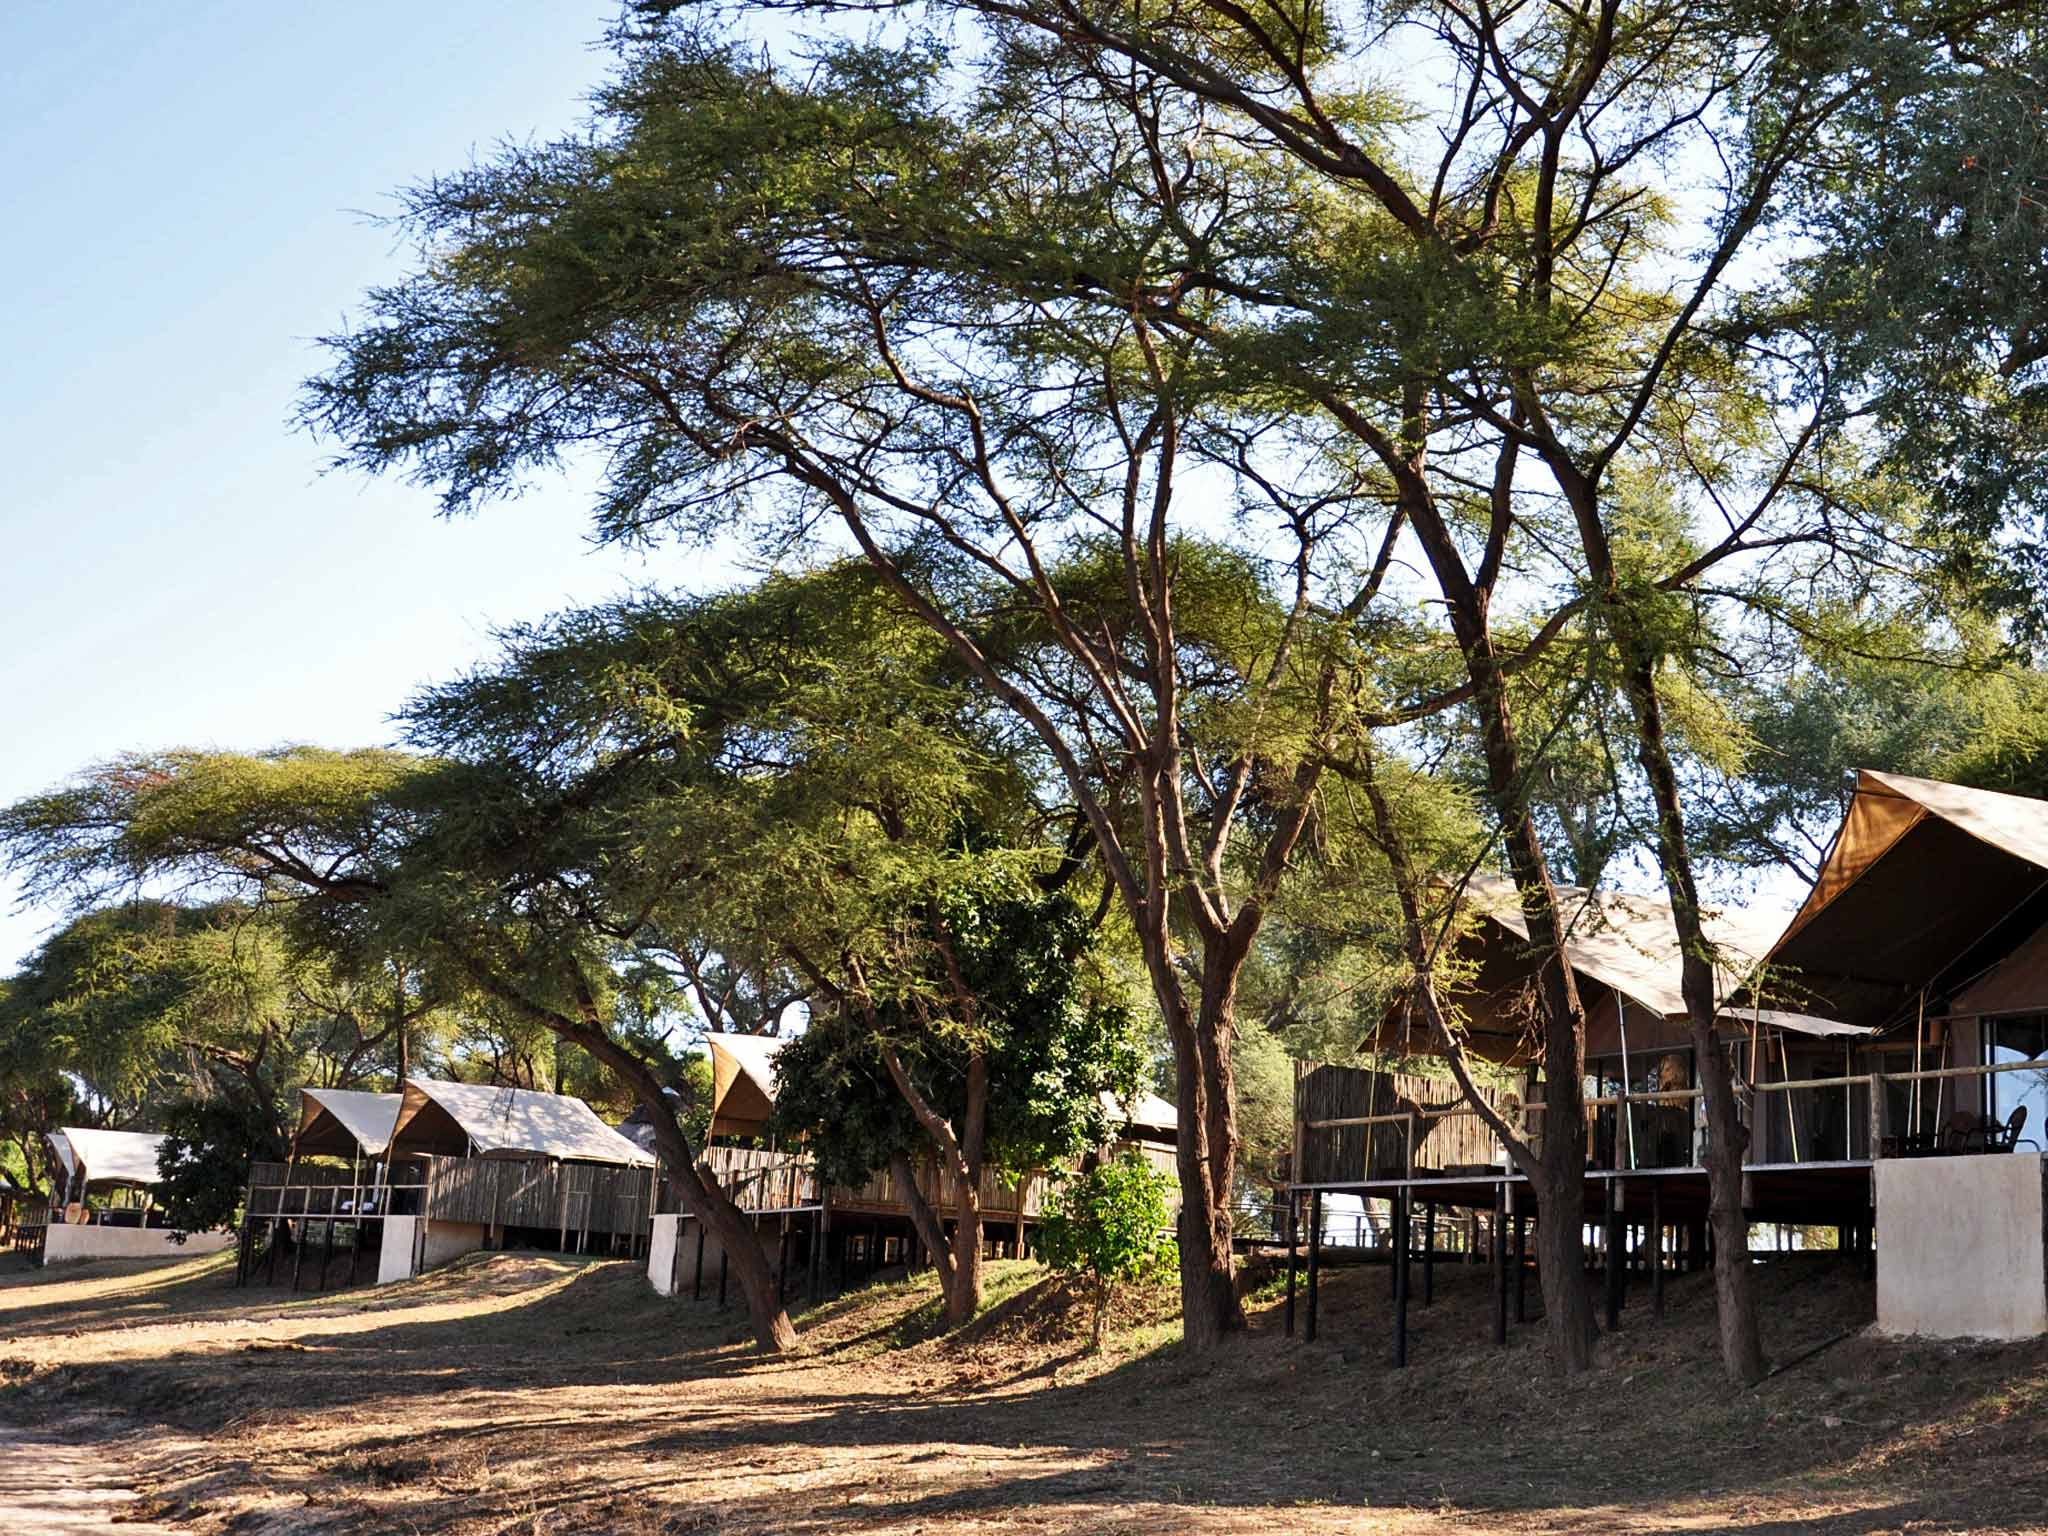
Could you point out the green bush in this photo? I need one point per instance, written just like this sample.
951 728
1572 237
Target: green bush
1107 1227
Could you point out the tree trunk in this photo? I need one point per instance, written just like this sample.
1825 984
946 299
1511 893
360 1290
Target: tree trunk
1204 1153
1555 1168
702 1198
1742 1351
959 1160
1559 1173
958 1258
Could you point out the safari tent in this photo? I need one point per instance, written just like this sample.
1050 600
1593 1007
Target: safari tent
480 1120
1624 953
1928 925
102 1205
437 1170
345 1123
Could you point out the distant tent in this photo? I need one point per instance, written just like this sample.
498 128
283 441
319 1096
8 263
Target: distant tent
1922 876
742 1082
106 1157
1629 941
1623 941
476 1119
343 1122
1147 1117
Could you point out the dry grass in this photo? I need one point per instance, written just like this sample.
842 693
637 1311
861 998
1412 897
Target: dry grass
529 1394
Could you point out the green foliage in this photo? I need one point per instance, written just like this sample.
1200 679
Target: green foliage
1053 1048
1107 1226
204 1160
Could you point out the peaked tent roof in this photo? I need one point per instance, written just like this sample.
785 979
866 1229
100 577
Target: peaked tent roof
456 1118
342 1121
1926 883
742 1081
110 1157
1146 1112
1628 941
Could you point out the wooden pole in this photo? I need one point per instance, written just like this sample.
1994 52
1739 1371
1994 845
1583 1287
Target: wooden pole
1401 1212
1657 1248
1293 1249
299 1254
1315 1263
697 1283
1614 1276
1521 1258
326 1253
1428 1252
1500 1266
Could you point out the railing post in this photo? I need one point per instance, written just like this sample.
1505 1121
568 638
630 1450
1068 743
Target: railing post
1876 1116
1287 1313
1315 1262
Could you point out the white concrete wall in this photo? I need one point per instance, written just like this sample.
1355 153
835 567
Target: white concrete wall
1962 1246
443 1240
672 1253
70 1242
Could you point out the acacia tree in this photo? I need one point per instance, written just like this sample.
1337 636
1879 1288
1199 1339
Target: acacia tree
1093 266
1023 475
846 814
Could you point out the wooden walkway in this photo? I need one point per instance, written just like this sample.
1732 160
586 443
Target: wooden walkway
51 1488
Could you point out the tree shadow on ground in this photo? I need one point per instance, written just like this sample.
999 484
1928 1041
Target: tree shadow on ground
573 1372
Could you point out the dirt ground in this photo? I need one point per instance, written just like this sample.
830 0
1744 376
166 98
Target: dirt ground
534 1394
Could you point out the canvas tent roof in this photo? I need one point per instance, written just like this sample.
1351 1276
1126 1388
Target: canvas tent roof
742 1081
1147 1116
1628 941
1926 883
457 1119
343 1121
1622 943
110 1157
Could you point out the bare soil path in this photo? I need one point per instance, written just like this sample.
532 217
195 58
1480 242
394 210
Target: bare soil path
51 1486
535 1395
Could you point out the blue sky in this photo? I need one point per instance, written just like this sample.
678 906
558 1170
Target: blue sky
185 208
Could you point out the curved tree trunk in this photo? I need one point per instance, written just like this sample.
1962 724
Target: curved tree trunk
957 1257
1555 1166
702 1198
959 1158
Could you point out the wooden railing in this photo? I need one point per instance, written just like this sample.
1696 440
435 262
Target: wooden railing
487 1191
764 1181
27 1233
1627 1132
761 1180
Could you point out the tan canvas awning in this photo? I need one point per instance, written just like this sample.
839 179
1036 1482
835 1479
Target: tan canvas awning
1915 894
742 1082
476 1119
342 1122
